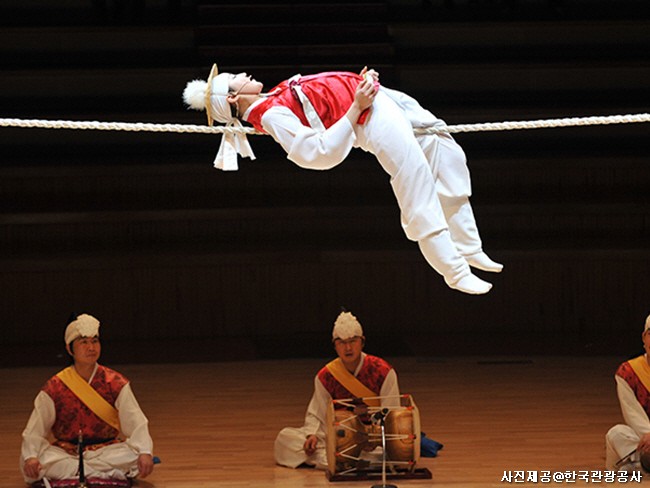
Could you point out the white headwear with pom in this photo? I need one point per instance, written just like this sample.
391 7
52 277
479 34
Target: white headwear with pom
346 327
83 326
194 94
212 96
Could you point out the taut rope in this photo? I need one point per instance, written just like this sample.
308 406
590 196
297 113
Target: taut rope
204 129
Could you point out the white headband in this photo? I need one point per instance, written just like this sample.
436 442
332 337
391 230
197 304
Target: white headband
346 327
83 326
218 102
212 96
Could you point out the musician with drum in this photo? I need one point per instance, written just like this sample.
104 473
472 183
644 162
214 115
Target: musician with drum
353 374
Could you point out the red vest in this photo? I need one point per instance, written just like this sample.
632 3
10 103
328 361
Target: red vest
72 415
331 94
372 374
626 372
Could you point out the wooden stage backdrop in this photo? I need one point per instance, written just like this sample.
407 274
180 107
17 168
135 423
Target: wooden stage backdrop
214 424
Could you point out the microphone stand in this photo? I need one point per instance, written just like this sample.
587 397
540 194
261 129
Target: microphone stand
381 417
80 452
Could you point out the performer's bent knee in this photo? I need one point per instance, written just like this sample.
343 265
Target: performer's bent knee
621 431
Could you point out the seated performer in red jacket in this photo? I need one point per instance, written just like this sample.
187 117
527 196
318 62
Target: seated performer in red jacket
318 119
97 402
353 374
628 444
306 444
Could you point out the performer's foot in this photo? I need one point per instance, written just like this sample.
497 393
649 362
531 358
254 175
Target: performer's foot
472 285
483 262
441 253
630 467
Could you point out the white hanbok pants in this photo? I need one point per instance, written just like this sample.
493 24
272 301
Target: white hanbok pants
429 173
289 452
620 441
112 461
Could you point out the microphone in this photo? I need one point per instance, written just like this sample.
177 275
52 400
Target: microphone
379 416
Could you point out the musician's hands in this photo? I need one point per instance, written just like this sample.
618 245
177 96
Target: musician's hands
32 468
644 443
145 465
310 444
361 409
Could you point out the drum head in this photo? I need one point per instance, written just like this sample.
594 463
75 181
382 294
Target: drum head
399 447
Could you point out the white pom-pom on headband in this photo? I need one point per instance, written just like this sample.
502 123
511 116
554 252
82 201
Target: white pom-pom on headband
194 94
211 96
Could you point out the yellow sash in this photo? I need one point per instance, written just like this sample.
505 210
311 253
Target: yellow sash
89 396
351 383
642 370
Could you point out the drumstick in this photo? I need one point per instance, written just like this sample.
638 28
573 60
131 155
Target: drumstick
385 397
625 458
80 452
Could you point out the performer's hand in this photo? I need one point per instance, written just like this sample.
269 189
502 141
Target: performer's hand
369 446
365 94
310 445
363 98
32 468
360 410
370 72
644 443
145 465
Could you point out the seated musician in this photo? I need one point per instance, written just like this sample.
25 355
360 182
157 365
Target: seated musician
628 444
92 400
354 374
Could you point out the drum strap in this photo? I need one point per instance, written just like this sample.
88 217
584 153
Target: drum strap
642 370
351 383
89 396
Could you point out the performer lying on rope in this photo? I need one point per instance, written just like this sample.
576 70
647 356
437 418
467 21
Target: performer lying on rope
95 401
318 119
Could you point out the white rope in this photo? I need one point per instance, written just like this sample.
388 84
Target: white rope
204 129
121 126
546 124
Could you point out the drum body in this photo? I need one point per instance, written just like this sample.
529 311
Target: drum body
346 437
403 442
349 441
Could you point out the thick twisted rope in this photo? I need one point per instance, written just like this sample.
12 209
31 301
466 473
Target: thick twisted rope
204 129
122 126
547 123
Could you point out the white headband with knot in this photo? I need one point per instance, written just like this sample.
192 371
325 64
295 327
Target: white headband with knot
346 327
83 326
212 96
